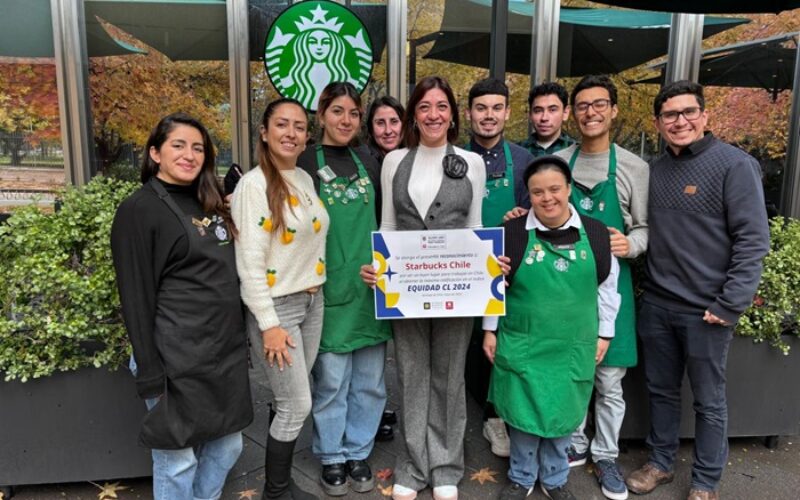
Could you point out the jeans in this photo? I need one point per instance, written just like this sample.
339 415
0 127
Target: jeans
534 457
300 315
348 399
674 342
193 473
609 410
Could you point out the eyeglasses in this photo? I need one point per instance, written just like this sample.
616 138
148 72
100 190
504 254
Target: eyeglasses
598 105
691 114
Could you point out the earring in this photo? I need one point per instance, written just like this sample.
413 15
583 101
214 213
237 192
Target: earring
452 124
415 124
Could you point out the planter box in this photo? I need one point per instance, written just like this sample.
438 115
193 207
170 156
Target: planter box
72 426
762 395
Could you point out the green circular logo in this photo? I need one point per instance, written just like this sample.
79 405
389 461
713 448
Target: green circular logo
314 43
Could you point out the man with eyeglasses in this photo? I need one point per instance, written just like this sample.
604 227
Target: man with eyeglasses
708 235
609 184
547 110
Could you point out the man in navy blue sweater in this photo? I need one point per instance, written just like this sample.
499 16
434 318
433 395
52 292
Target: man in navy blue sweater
708 236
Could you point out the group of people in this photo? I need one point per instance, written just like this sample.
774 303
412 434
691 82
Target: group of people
294 247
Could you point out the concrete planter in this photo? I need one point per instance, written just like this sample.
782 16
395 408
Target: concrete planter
762 393
72 426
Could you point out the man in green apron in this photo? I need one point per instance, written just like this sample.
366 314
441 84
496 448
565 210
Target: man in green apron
547 110
487 114
610 184
562 296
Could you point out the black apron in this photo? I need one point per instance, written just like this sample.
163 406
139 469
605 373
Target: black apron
200 336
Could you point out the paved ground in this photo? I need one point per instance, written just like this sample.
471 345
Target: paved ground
753 472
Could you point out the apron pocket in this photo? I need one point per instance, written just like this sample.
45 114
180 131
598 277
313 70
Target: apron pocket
581 363
188 352
341 284
513 349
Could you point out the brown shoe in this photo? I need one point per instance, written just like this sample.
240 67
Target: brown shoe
695 494
646 478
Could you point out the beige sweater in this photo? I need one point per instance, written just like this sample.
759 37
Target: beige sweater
271 264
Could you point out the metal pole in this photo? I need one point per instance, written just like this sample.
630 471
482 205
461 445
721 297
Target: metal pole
544 41
685 43
790 197
497 54
396 47
72 77
239 70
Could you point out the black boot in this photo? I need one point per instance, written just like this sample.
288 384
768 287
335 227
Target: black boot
278 466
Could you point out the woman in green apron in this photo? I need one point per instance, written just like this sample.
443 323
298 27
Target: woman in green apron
560 309
180 300
349 392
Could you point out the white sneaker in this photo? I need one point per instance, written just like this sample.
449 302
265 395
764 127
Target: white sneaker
494 430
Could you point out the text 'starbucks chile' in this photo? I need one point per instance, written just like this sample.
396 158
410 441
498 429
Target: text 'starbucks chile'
313 43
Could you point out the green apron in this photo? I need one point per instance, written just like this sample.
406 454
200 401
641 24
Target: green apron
544 364
499 196
602 203
349 321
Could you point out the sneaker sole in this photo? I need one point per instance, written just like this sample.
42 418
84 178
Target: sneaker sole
612 495
500 452
334 491
362 486
578 463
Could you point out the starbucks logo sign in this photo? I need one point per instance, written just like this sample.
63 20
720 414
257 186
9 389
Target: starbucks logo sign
314 43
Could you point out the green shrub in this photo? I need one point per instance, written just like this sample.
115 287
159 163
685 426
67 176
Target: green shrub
776 305
60 306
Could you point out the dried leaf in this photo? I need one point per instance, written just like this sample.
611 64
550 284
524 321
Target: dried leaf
384 474
109 490
386 490
248 494
484 475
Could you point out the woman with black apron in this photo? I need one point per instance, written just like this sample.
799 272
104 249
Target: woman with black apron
176 272
561 305
280 254
349 392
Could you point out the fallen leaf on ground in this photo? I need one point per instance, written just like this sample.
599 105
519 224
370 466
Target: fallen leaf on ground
385 490
248 494
384 474
109 490
484 475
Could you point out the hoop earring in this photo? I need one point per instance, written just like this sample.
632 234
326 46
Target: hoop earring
452 124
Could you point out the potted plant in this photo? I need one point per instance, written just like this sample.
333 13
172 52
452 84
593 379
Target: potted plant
758 360
68 413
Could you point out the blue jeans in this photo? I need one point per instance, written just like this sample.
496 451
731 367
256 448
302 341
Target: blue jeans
674 342
192 473
535 457
348 399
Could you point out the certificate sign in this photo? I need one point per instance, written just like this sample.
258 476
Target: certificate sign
435 274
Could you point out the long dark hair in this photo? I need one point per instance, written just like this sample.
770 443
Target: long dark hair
277 188
331 92
378 103
410 132
208 190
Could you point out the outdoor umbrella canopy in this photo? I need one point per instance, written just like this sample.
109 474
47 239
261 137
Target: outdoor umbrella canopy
764 63
26 30
590 40
709 6
197 30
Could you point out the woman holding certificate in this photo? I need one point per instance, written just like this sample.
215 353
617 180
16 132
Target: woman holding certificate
349 392
561 304
431 185
280 243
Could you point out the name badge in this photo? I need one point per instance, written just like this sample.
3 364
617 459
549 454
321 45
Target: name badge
326 174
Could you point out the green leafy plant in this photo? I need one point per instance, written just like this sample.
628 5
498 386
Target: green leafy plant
60 306
776 306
